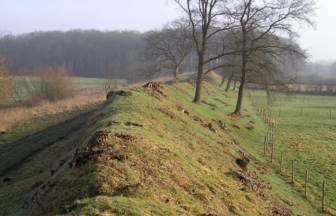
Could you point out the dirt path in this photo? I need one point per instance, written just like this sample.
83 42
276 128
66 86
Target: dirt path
14 155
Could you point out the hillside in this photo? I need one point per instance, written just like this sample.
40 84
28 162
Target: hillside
151 151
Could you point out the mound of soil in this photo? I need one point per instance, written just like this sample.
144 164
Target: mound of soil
154 89
101 147
120 93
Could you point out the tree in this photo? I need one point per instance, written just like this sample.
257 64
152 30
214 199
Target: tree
110 80
168 47
261 48
6 82
208 19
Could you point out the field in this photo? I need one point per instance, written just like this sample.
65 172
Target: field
307 135
87 92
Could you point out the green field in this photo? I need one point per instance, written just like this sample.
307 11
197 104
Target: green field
306 134
81 83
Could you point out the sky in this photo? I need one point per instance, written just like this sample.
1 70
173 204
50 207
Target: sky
24 16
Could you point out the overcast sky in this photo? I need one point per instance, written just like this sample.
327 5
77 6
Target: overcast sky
24 16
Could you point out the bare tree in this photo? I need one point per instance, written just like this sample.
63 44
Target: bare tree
208 19
6 81
110 77
168 47
262 50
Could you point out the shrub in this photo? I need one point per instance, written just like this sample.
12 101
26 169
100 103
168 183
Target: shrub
50 84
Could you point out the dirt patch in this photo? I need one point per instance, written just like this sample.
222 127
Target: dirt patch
236 126
243 162
109 94
120 93
133 124
102 147
181 109
167 112
209 104
192 82
251 183
198 119
234 142
155 89
210 127
250 127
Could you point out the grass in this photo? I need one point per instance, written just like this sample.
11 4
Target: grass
22 124
17 122
307 135
173 161
81 83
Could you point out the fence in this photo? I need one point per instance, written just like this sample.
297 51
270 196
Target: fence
269 151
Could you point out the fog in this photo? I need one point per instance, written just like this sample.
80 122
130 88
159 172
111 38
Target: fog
17 17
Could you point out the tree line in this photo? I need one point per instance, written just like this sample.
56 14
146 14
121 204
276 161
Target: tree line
245 40
84 53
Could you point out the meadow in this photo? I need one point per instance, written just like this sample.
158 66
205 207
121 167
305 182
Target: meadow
306 134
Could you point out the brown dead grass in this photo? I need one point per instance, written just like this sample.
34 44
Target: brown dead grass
18 116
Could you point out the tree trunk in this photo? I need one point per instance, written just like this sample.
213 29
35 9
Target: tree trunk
234 85
223 79
241 93
229 82
197 98
177 69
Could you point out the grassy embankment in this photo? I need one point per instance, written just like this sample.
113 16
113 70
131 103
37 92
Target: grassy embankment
157 153
307 126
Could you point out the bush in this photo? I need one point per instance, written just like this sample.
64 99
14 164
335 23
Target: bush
6 82
50 84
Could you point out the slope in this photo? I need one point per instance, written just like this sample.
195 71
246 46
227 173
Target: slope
150 151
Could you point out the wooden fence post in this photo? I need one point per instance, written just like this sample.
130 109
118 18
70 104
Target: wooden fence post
272 155
265 147
293 171
268 139
323 196
306 183
281 162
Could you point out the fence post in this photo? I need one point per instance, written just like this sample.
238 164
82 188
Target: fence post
268 138
281 162
306 183
323 196
272 155
330 114
265 145
293 171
